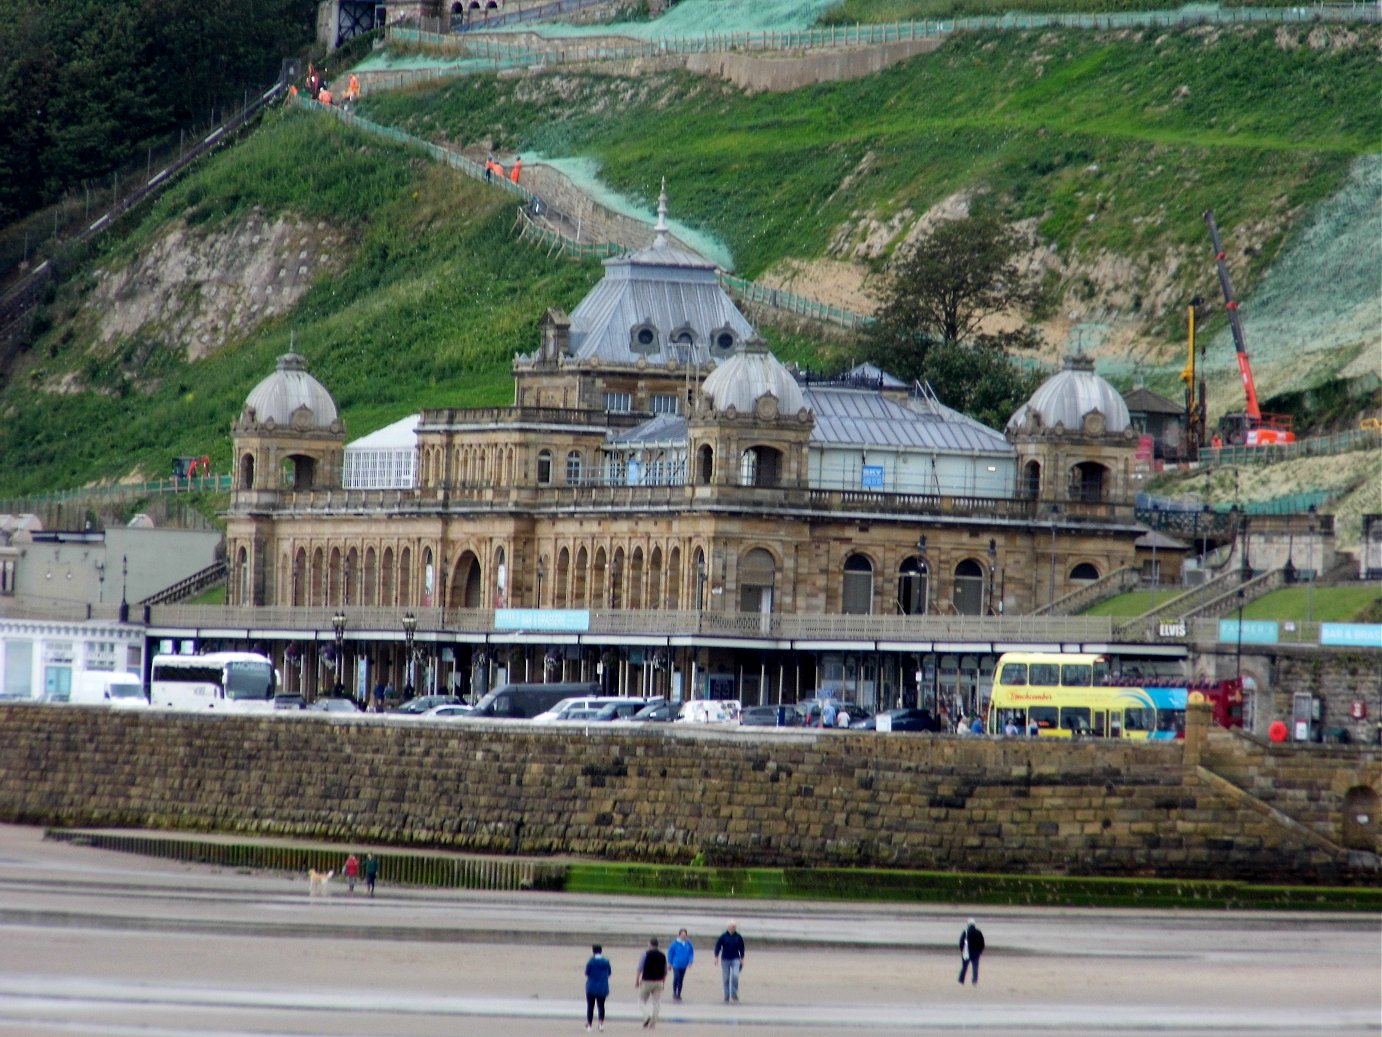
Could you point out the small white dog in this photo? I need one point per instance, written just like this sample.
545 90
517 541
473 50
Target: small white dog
317 881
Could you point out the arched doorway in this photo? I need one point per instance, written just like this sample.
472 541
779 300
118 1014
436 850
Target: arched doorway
857 586
757 581
913 590
968 596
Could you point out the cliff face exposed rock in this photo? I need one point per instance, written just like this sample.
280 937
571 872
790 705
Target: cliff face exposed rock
196 290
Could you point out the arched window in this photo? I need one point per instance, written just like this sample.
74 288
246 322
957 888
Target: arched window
705 464
563 578
370 590
760 466
969 588
242 573
247 472
857 587
636 578
1088 481
1031 480
1085 572
544 468
573 468
757 581
316 591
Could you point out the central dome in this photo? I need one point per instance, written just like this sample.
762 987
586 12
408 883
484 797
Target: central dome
749 375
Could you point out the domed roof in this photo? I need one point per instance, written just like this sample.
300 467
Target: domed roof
741 380
291 396
1068 396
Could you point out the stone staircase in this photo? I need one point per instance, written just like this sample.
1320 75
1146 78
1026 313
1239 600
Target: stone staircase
1145 624
1120 581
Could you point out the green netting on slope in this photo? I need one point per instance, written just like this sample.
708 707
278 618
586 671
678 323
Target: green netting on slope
1324 292
702 17
584 173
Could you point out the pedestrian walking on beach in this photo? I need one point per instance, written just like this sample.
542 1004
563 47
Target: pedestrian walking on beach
729 952
652 975
680 955
352 872
971 947
597 971
371 872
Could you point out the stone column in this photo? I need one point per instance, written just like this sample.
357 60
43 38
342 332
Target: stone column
1197 721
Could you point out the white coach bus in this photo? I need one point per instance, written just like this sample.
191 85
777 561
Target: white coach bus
228 682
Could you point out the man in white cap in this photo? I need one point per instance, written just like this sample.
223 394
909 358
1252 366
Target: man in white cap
971 947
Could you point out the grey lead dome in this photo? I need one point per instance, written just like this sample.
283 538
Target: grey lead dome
1067 396
288 391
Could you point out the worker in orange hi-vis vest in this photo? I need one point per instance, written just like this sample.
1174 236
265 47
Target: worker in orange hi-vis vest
353 91
325 97
517 166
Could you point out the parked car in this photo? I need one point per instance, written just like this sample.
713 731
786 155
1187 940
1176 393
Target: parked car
658 712
447 711
334 704
902 720
622 709
572 704
423 703
290 700
771 716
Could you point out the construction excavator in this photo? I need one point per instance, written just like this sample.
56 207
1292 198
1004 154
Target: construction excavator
1248 427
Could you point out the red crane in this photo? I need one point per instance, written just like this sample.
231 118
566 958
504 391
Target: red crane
1250 427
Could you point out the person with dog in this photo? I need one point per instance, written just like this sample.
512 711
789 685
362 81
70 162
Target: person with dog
597 972
371 872
971 947
649 981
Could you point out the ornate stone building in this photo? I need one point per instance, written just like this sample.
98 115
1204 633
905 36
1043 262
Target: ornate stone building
659 465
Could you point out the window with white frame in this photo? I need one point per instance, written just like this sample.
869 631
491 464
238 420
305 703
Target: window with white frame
664 403
618 402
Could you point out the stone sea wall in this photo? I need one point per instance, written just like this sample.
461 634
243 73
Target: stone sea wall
673 795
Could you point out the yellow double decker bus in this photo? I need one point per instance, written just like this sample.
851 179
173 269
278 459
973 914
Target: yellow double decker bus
1073 695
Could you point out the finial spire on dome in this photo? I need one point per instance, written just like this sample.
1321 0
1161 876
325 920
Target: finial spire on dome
660 231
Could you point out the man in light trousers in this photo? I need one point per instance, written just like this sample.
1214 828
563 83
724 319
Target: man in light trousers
729 952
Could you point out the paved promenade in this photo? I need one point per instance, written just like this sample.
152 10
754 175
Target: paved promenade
101 943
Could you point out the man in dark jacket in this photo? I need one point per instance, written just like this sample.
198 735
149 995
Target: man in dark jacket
652 974
971 947
729 952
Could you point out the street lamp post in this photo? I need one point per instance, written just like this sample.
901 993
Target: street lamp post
1051 586
924 569
338 627
993 564
409 632
1238 652
124 574
101 583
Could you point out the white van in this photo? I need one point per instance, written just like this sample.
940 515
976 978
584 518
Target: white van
119 690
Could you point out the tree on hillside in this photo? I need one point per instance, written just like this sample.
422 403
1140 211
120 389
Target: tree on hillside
936 298
89 85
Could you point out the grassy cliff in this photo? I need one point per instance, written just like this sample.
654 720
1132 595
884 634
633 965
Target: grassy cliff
1107 145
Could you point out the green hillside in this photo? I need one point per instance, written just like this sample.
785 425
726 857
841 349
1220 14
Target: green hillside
1111 141
1108 144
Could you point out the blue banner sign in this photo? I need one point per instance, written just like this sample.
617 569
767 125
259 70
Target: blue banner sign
1353 635
1254 631
562 620
872 477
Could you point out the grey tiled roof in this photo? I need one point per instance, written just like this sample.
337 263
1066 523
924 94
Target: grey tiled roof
848 417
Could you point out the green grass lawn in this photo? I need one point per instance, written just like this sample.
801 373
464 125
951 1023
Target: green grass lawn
1134 603
1308 603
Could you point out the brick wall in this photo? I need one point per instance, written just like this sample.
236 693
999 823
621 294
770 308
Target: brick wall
794 798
